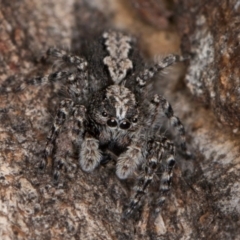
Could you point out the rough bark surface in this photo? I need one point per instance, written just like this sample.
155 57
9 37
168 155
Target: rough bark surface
204 200
210 31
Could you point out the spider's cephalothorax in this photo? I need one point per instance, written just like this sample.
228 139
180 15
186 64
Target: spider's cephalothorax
111 117
116 118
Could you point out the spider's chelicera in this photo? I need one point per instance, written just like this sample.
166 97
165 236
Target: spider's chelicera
112 116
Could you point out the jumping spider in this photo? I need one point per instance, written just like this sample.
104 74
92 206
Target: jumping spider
113 116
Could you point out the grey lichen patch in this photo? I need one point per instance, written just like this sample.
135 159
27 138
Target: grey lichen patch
199 74
211 34
230 203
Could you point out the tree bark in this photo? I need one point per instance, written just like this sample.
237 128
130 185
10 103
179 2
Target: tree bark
209 30
204 199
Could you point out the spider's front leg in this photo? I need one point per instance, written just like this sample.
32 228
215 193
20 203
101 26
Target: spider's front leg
160 157
154 156
158 105
62 113
69 138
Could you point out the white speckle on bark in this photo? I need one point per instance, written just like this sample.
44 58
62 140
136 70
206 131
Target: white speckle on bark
160 225
231 203
198 74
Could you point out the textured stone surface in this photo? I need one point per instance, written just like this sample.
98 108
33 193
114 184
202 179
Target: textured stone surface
204 200
210 31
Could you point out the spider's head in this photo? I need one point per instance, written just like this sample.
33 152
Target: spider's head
118 110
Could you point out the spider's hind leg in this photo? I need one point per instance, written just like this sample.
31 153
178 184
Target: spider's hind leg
148 73
79 62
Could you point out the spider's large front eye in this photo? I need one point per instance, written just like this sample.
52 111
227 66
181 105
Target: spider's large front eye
125 124
112 122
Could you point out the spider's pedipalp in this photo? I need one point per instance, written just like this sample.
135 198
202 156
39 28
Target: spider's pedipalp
90 155
129 161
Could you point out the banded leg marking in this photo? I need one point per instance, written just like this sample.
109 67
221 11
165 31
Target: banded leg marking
148 73
154 156
62 114
160 102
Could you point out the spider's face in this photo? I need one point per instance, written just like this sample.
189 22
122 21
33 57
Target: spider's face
118 110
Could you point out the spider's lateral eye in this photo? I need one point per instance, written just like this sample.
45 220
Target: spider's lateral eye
104 114
125 124
134 120
112 123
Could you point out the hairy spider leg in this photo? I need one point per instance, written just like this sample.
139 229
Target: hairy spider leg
162 105
40 81
166 170
161 151
62 113
153 158
128 161
79 62
90 155
148 73
72 135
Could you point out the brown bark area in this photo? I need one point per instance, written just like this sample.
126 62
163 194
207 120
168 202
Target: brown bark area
204 200
210 31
